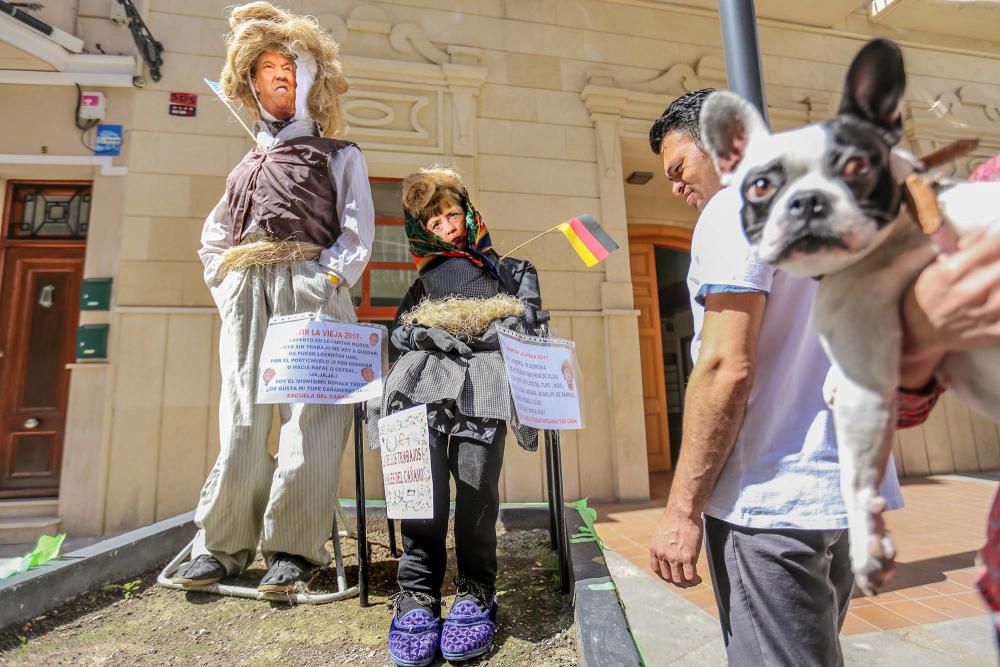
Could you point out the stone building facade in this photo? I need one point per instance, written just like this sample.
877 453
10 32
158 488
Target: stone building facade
543 105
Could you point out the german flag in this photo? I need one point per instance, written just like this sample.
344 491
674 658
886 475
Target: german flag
591 242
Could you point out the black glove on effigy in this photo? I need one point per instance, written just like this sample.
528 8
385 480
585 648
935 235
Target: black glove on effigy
409 338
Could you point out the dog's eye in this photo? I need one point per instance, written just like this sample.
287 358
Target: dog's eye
761 187
858 165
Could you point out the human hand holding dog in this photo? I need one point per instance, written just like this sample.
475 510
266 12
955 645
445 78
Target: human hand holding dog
953 304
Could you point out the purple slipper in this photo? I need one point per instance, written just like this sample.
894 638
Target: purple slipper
414 634
471 624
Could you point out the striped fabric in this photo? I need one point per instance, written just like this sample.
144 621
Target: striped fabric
287 504
989 578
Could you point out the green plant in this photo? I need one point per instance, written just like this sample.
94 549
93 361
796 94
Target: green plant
127 590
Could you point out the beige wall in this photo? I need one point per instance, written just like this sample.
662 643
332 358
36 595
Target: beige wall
544 106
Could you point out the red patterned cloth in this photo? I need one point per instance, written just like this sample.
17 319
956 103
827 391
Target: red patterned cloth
989 580
913 406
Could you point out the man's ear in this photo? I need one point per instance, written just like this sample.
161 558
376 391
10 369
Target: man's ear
875 85
728 122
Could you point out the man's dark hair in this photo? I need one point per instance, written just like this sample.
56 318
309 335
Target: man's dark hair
681 116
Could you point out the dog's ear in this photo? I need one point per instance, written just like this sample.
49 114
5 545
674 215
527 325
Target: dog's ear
728 122
875 85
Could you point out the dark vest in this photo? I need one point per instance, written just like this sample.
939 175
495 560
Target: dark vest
287 191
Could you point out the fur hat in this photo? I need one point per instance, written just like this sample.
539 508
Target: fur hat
427 186
260 26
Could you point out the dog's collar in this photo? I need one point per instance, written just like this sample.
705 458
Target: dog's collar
920 188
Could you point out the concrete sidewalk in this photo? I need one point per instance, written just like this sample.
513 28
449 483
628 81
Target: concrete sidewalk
931 614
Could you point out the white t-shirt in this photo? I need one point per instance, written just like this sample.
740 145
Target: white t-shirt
783 470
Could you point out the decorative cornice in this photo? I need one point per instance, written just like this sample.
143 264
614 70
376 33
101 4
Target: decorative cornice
643 100
961 101
368 24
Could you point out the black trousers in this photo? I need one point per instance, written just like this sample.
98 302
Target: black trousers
475 466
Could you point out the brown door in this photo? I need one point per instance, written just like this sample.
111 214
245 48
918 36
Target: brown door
654 390
39 311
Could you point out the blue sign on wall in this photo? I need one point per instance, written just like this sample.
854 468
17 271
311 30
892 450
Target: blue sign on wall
109 140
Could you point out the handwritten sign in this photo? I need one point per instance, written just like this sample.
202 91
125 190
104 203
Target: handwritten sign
544 380
406 464
310 359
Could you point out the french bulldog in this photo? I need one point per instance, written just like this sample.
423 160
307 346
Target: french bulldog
825 201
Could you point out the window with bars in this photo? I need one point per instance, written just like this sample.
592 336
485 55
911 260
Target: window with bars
390 272
48 210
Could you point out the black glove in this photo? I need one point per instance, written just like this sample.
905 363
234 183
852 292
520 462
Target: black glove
530 319
423 338
490 339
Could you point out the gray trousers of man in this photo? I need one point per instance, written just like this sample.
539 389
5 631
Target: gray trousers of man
782 594
287 504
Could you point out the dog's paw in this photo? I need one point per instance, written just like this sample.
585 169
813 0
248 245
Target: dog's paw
873 564
872 552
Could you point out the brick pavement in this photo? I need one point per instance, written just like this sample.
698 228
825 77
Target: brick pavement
937 536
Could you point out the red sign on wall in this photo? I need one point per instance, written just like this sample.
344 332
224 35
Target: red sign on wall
183 104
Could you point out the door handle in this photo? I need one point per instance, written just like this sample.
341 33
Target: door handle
31 423
45 297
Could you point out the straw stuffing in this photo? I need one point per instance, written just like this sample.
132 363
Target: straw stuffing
461 315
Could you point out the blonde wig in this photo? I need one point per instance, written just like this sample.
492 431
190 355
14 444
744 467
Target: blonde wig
257 27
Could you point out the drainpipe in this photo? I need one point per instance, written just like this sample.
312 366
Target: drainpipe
740 44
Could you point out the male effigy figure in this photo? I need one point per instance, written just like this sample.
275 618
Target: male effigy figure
293 231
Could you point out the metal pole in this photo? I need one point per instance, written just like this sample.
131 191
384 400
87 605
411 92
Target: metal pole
359 481
393 551
552 438
551 483
740 43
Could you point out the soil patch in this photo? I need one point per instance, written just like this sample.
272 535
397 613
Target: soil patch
129 623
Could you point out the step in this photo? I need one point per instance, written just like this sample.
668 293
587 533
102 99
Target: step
27 529
28 508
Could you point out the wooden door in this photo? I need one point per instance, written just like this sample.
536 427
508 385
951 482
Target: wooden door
654 391
39 311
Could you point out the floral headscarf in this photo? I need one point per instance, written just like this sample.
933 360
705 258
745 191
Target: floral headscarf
425 246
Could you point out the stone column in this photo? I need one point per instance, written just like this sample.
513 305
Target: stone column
621 331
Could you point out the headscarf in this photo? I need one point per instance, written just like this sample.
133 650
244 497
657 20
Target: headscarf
425 246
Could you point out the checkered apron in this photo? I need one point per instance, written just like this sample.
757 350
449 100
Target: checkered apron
477 385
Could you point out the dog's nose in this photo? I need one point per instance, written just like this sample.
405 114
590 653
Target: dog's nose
809 205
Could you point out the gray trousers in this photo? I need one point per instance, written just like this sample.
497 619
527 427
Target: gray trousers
782 594
285 505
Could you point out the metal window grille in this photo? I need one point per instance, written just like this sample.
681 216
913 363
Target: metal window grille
48 210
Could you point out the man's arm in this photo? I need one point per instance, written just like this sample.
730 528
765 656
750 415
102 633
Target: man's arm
714 406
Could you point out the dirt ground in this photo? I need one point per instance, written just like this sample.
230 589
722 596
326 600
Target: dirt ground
144 624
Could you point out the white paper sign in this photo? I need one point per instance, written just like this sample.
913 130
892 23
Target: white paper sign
544 380
310 359
406 464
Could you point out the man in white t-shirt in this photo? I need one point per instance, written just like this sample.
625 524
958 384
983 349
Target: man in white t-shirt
759 456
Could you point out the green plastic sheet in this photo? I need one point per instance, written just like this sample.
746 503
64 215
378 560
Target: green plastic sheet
586 532
45 550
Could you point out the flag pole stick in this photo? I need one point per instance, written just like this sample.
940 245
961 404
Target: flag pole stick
533 238
229 106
